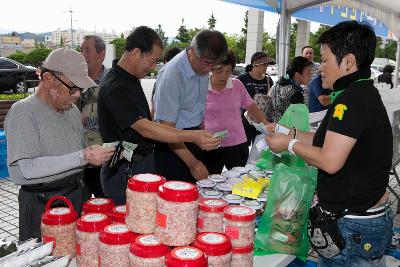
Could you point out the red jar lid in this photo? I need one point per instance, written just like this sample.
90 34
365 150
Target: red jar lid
242 250
92 222
186 257
117 234
212 204
99 205
239 213
213 244
178 191
59 216
119 213
145 182
147 246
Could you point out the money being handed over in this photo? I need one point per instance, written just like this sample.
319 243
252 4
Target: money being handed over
112 144
221 134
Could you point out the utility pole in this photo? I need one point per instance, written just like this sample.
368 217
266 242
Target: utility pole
71 33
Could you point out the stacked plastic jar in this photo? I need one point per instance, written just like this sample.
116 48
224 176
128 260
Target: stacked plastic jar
98 205
118 214
211 214
217 247
58 225
186 257
177 206
256 205
114 242
88 228
147 251
218 178
211 194
233 199
239 225
205 184
242 257
141 200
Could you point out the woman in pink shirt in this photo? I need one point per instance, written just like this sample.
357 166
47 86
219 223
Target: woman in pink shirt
226 97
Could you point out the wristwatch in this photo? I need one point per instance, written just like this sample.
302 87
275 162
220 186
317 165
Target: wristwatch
290 146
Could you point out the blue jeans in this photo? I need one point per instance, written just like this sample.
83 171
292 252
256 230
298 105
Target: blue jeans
366 241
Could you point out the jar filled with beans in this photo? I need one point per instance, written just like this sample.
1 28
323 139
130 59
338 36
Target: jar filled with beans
141 199
217 247
147 251
176 219
242 256
211 214
98 205
59 225
239 225
186 256
118 214
114 242
88 228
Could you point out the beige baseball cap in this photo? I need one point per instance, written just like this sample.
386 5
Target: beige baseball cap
71 64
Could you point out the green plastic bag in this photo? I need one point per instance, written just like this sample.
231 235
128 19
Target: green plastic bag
283 226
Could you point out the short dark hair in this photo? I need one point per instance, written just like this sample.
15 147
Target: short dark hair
304 47
99 43
298 64
171 53
230 59
388 69
351 37
143 38
210 44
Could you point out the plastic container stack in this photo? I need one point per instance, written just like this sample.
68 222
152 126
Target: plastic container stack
186 257
211 214
217 247
118 214
147 251
98 205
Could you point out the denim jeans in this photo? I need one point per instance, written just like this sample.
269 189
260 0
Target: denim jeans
366 240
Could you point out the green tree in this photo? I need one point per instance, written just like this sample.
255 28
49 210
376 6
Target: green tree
246 22
61 41
119 46
192 33
211 22
37 56
233 43
122 35
313 42
36 44
183 33
293 33
161 33
18 56
389 51
269 46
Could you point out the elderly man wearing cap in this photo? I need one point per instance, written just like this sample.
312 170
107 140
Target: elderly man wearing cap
45 140
257 83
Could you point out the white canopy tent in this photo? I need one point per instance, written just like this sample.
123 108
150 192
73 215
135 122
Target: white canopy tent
387 11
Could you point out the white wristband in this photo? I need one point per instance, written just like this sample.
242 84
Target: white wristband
82 156
290 146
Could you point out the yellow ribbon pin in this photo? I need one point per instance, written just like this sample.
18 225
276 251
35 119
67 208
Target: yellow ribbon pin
367 246
339 111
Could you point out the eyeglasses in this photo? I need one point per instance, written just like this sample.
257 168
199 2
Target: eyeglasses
208 64
265 64
72 89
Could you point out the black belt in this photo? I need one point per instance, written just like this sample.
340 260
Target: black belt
379 210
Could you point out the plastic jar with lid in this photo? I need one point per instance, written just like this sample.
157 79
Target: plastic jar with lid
176 219
206 184
240 169
118 214
233 199
141 200
256 205
59 225
217 247
218 178
147 251
225 188
211 214
210 194
186 257
114 242
251 167
98 205
239 225
88 228
242 256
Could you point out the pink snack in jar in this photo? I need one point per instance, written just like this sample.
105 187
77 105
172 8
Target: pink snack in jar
88 228
58 225
242 257
176 219
239 225
147 251
211 214
217 247
98 205
118 214
114 242
186 257
141 200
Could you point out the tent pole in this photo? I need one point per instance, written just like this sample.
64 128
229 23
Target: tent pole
396 74
282 37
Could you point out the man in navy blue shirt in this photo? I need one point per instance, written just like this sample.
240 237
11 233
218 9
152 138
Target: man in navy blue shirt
319 97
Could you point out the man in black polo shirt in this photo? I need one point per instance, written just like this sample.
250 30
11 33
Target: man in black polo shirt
352 150
124 114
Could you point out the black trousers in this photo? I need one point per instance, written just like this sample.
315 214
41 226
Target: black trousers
230 157
32 205
250 130
92 181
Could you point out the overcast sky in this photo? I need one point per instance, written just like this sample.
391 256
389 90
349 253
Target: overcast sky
121 15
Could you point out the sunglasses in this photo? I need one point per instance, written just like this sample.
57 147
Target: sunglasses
72 89
261 64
